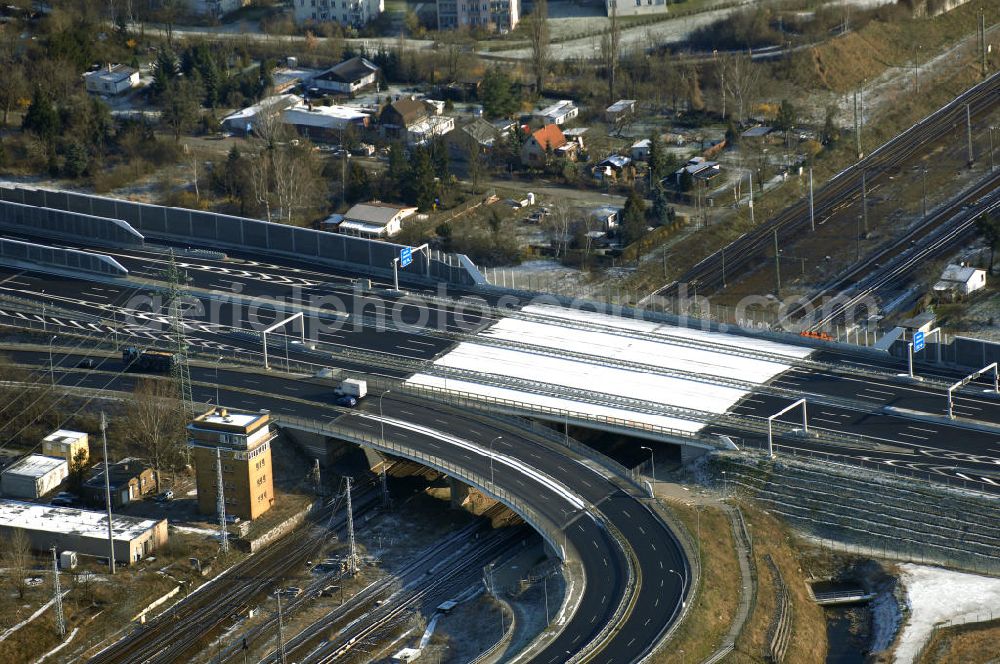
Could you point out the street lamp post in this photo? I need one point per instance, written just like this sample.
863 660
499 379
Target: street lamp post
652 463
381 421
217 360
493 483
681 577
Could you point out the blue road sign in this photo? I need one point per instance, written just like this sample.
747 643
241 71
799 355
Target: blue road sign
918 342
405 256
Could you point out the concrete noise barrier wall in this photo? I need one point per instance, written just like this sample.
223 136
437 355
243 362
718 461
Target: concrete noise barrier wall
101 231
207 229
54 259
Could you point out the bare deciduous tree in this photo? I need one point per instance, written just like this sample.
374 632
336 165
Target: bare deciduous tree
740 77
155 425
610 52
16 557
538 36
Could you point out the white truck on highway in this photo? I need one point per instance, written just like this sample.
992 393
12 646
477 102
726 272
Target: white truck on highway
352 387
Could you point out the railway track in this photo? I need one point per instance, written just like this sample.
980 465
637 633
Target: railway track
176 632
751 247
359 603
452 579
890 264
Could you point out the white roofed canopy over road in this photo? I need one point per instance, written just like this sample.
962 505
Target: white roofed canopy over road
539 352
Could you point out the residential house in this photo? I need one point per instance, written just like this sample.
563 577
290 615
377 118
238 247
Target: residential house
495 15
558 113
413 121
614 168
619 111
958 280
758 132
479 133
606 218
353 13
111 80
698 167
549 140
244 120
324 124
130 480
347 77
372 219
640 149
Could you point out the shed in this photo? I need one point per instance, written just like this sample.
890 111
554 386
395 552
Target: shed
960 280
33 476
64 444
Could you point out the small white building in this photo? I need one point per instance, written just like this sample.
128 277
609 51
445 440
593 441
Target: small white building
373 219
111 80
606 217
698 167
33 476
640 149
324 123
65 444
558 113
960 280
347 77
245 119
619 110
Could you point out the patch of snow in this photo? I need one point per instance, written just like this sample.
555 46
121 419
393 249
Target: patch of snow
935 596
58 647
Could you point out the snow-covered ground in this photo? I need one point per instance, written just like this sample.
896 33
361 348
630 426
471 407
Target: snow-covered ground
936 595
622 340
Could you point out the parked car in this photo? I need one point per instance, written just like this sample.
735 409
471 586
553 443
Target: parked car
86 363
165 496
329 591
62 502
232 519
291 591
346 401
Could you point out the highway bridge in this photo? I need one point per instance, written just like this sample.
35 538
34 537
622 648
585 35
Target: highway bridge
456 374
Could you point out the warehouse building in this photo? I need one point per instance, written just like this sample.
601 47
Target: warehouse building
33 476
65 444
83 531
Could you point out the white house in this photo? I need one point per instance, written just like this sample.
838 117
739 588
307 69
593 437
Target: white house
347 77
640 149
373 219
558 113
216 8
960 280
111 80
698 167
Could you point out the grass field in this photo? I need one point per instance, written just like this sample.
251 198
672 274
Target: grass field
964 644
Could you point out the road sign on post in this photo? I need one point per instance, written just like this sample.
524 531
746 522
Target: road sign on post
918 342
405 256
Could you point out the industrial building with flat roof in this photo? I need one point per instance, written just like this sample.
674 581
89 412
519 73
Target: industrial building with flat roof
33 476
66 444
83 531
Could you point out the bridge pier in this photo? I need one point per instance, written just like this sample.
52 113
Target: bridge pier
690 453
459 492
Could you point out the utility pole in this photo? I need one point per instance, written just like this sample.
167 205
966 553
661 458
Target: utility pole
777 263
857 128
220 502
281 632
923 178
57 596
107 494
812 213
968 132
864 198
751 197
982 37
991 149
723 267
352 556
181 371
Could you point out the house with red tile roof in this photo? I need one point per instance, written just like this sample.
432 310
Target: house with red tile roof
545 142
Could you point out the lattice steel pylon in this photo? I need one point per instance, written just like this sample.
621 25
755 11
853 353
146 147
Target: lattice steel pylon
181 371
352 556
